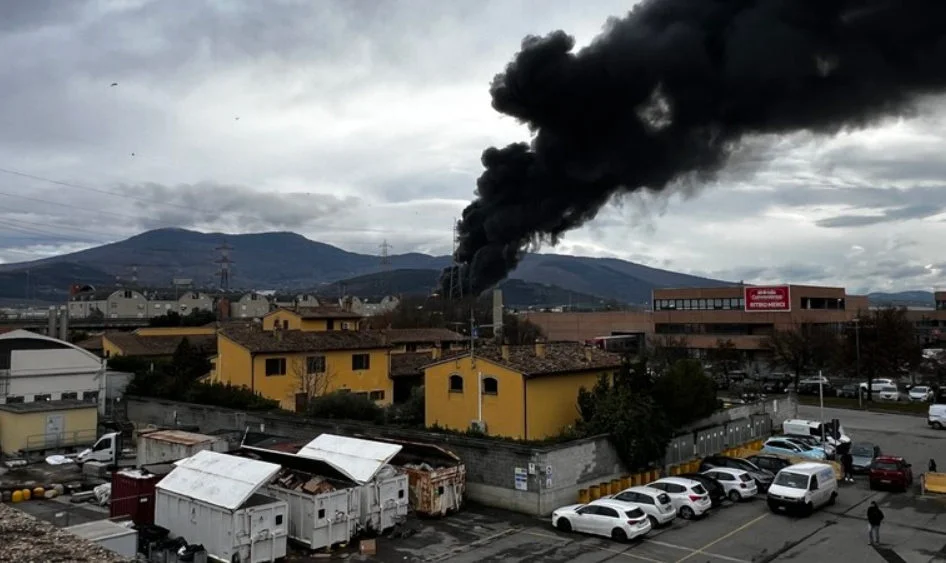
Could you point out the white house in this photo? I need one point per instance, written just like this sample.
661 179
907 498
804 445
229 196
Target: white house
34 367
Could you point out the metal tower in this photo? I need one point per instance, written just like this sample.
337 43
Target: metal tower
385 266
224 261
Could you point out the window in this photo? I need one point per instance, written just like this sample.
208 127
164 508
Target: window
126 294
43 397
113 304
362 394
456 383
490 386
360 362
376 395
14 399
411 347
279 519
69 396
321 514
330 324
285 325
315 364
103 444
275 366
90 396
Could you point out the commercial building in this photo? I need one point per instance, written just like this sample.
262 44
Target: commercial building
37 368
523 392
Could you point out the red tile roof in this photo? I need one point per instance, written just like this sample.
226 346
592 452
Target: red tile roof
410 364
559 358
411 335
164 345
258 341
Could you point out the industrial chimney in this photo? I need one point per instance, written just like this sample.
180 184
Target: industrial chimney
498 315
64 323
51 327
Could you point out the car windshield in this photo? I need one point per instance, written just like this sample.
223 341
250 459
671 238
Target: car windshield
921 389
885 466
862 450
698 489
635 513
887 388
792 480
745 465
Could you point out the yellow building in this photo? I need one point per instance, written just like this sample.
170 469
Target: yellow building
407 340
176 330
312 319
523 392
293 365
47 426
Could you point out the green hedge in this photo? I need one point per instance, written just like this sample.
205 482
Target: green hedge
880 406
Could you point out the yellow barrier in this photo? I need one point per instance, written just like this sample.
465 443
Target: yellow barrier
605 488
934 482
615 486
625 482
583 497
594 493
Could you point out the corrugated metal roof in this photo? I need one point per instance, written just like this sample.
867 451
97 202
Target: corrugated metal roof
359 459
219 479
178 437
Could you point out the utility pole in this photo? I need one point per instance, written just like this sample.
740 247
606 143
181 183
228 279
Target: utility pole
385 265
857 364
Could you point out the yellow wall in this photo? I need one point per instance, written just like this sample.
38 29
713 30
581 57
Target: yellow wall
18 430
503 412
312 325
234 366
552 402
175 330
109 348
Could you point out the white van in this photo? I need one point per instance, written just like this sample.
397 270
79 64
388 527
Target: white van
937 417
799 427
803 487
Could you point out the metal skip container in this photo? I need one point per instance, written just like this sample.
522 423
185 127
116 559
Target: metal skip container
163 446
213 499
437 477
324 505
384 488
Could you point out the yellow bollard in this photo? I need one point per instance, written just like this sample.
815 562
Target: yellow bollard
583 497
17 496
615 486
605 488
594 493
652 476
625 482
26 494
636 480
38 492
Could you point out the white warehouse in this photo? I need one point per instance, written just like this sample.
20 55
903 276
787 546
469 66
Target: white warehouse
34 367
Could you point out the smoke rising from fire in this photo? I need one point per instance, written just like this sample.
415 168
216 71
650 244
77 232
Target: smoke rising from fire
668 92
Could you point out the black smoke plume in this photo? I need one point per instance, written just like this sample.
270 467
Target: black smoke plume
667 93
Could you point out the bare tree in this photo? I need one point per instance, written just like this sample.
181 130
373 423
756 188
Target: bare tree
312 378
665 349
802 348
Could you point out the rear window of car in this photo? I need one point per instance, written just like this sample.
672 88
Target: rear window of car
744 477
663 498
698 489
886 466
635 513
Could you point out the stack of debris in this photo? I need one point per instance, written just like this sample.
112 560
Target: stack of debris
298 481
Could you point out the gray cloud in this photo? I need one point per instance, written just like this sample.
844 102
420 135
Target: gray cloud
907 213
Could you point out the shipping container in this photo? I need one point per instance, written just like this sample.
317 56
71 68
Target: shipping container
133 495
384 497
163 446
437 477
109 534
213 499
324 505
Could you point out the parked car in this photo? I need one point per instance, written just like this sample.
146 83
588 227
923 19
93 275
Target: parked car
786 447
891 471
803 487
812 442
848 391
770 462
887 393
715 489
863 454
738 484
688 497
763 478
655 503
613 519
937 416
875 383
920 394
834 436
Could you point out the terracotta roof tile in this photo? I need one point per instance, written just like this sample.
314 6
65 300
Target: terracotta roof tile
91 343
410 364
406 335
136 345
560 357
258 341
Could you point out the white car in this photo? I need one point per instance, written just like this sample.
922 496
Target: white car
613 519
874 384
688 497
887 393
738 484
921 394
655 503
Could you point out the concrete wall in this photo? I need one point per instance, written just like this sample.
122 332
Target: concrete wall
550 475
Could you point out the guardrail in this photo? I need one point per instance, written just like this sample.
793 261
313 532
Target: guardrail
933 483
54 441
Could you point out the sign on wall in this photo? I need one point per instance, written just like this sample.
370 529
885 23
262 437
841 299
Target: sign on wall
774 298
522 479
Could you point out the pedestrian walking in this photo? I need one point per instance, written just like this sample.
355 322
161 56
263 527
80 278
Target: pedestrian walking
874 517
847 463
932 465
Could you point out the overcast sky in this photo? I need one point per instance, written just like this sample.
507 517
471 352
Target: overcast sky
356 122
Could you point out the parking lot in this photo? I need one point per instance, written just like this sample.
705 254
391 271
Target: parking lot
914 529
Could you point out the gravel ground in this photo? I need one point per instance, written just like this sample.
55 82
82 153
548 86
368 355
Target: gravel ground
25 539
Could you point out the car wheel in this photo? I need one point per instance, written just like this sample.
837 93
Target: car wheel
809 509
734 496
686 512
834 499
618 534
564 525
653 522
937 426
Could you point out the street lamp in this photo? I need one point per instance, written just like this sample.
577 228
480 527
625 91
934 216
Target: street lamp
857 355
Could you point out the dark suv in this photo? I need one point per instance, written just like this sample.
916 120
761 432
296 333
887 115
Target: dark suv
762 477
716 491
769 462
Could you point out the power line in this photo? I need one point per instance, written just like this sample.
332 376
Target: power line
69 205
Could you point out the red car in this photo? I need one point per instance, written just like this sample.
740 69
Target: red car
891 471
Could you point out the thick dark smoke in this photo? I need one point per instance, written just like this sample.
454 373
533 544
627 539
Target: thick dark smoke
668 92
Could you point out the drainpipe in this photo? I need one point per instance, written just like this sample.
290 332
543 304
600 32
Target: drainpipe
479 387
253 373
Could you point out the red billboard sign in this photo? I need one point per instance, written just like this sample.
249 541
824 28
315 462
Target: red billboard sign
775 298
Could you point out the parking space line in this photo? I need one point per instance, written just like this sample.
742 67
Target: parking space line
599 548
721 538
691 550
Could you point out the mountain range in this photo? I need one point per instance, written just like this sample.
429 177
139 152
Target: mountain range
290 262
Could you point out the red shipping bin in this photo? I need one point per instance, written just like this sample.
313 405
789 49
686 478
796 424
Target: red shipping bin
133 495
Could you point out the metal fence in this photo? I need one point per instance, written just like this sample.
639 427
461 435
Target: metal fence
59 440
712 440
